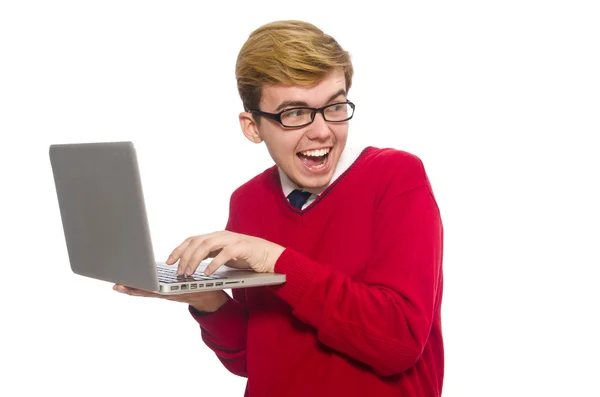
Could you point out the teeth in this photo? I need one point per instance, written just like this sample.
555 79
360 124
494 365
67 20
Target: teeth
316 153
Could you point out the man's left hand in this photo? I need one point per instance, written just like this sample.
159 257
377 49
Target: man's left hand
236 250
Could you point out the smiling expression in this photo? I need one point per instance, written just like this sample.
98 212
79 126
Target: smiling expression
308 155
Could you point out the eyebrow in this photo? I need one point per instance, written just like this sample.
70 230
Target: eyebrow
286 104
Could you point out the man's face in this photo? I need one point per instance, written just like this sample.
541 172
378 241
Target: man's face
308 155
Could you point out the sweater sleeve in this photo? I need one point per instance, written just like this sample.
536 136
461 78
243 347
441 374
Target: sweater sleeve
224 331
385 319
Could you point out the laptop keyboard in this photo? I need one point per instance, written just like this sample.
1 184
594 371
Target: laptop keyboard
169 276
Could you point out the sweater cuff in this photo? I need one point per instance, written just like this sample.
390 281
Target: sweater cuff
299 272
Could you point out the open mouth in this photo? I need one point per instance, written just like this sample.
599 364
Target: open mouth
314 159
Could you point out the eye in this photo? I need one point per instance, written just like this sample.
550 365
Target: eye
337 108
295 113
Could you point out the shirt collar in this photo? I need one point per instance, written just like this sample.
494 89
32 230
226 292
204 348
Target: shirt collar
346 159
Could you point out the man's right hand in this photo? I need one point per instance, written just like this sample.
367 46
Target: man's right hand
209 301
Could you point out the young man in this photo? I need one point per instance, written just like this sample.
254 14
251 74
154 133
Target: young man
357 234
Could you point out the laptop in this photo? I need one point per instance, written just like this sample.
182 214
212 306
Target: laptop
106 229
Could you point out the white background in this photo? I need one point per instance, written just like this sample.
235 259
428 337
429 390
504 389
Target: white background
501 100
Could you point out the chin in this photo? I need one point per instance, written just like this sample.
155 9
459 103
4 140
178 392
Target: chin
314 181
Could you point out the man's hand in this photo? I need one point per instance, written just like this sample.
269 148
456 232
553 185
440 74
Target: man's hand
236 250
208 301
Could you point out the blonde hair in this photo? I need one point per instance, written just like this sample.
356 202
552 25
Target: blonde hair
288 53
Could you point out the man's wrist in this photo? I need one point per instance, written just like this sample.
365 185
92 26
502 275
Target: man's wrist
210 304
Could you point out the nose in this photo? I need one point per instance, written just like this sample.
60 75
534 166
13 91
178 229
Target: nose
318 129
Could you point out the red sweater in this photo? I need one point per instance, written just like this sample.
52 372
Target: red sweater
359 314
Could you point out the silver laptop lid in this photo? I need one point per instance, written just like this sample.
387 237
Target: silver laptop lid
103 212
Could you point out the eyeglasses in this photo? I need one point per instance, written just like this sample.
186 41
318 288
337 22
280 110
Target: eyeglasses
300 117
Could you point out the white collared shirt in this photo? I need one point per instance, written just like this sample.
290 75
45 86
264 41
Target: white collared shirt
348 156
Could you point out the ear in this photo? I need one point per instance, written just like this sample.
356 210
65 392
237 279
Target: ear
249 127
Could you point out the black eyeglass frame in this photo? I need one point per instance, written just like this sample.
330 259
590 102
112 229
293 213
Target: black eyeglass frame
314 111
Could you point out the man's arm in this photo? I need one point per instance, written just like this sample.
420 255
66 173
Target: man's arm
224 331
384 321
